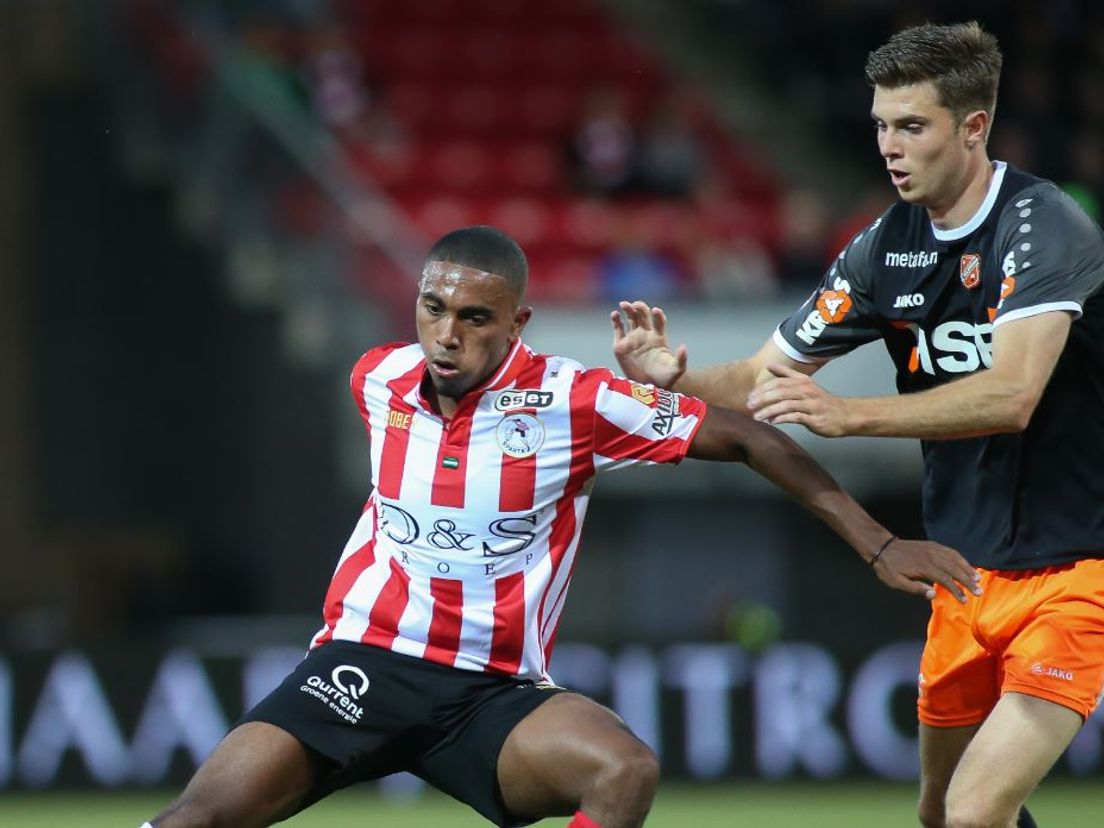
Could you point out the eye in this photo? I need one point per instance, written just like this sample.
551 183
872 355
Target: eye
432 308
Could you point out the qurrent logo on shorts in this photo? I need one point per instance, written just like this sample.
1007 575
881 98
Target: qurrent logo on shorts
347 685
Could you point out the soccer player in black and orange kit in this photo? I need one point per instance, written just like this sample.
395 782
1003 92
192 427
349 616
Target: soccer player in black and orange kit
986 285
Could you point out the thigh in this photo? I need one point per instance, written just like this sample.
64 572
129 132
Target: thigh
959 679
258 774
1014 749
551 757
464 761
941 748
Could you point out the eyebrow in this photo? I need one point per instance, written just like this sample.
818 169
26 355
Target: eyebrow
902 119
467 310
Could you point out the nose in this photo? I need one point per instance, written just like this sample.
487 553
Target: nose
446 333
888 145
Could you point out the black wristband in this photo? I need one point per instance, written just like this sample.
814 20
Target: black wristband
882 549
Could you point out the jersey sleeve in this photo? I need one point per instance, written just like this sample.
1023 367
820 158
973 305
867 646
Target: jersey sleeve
359 385
840 315
1052 255
635 423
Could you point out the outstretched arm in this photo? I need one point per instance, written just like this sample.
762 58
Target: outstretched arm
910 566
999 399
643 353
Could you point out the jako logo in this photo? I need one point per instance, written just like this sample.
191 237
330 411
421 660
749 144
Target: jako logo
1042 670
911 259
909 300
355 692
958 348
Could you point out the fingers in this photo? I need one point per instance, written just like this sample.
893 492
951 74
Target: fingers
618 326
681 355
659 318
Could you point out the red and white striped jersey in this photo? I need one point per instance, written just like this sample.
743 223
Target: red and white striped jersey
467 544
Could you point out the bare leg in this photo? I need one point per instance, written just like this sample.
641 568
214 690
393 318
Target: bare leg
573 754
1011 753
940 750
257 776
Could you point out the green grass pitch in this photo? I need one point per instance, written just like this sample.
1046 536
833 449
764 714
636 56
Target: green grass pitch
1065 803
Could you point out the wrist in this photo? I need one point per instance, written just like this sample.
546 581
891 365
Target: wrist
881 549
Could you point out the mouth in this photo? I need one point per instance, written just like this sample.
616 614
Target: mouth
444 368
899 177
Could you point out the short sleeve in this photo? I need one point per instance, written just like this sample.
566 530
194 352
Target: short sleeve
1052 255
635 423
840 315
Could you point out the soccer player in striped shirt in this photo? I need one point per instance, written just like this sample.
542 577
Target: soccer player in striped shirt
441 617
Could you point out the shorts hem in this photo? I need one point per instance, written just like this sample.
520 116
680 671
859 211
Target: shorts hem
950 721
291 731
1079 707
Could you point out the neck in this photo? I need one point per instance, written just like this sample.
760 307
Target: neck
961 206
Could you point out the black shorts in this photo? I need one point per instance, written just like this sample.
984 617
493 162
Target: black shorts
374 712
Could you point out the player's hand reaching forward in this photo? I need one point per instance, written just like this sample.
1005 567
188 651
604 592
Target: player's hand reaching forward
916 566
793 397
642 350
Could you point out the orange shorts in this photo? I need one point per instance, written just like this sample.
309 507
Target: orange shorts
1036 631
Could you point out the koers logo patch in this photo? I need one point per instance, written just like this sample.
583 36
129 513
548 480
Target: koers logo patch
833 305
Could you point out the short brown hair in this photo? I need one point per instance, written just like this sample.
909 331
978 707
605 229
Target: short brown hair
963 62
484 248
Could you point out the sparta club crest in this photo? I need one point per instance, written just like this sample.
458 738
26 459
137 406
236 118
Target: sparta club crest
520 435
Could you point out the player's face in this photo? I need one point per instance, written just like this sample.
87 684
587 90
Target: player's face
924 148
467 321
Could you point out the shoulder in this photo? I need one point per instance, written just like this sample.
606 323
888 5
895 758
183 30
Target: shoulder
1037 203
390 360
893 230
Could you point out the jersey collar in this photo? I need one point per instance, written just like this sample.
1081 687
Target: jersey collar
982 212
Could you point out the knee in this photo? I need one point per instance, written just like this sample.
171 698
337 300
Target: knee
632 775
189 813
976 812
931 813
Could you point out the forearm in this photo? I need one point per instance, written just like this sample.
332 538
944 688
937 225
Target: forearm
726 385
782 461
984 403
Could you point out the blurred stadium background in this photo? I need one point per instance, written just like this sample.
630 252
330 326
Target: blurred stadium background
210 209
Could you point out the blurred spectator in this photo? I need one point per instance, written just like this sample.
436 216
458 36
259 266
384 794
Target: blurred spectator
1087 172
805 236
670 158
341 94
603 145
633 267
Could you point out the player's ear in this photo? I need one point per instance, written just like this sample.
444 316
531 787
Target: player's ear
521 319
975 128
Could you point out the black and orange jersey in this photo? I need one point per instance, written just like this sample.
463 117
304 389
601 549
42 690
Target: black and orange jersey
1006 501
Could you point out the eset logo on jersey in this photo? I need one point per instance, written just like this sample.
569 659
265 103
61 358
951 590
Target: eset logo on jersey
523 398
833 305
969 270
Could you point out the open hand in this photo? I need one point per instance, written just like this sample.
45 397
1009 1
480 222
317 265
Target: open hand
793 397
916 566
642 350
